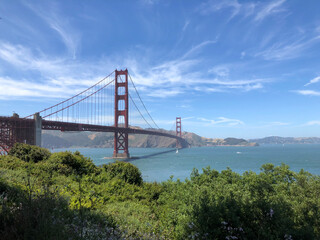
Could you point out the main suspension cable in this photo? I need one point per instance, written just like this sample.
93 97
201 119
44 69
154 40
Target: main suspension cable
137 107
73 96
142 102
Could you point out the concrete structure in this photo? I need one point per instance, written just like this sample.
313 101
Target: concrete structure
37 129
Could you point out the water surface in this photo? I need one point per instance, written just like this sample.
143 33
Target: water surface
159 167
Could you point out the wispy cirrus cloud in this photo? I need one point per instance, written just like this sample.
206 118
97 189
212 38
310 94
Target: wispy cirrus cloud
22 57
164 93
148 2
55 76
287 49
258 10
269 9
313 123
197 48
216 5
10 88
166 79
60 24
312 81
308 92
184 76
222 121
185 26
272 124
187 118
70 40
60 68
220 70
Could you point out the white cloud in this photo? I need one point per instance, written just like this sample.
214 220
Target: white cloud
22 57
209 89
167 79
308 92
217 5
185 106
25 59
187 118
70 40
314 80
222 121
55 77
197 48
271 124
61 25
163 93
313 123
148 2
221 71
287 50
237 83
269 9
186 25
258 10
183 75
248 88
10 88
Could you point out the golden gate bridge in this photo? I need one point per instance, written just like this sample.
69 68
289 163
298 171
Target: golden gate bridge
103 107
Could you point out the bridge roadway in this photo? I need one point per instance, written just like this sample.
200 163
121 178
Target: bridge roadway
15 129
73 127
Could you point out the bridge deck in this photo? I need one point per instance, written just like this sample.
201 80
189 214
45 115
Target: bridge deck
74 127
23 130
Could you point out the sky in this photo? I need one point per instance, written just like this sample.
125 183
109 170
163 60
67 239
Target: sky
228 68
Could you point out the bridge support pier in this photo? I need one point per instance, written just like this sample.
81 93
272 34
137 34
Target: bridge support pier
121 110
37 129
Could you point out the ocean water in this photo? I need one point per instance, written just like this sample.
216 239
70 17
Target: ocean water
159 164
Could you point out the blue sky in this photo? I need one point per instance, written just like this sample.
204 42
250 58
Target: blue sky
229 68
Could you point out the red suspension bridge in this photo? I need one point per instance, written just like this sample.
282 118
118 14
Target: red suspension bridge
103 107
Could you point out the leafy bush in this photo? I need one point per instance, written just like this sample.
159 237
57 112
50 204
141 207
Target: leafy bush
11 162
276 203
68 162
125 171
47 216
29 153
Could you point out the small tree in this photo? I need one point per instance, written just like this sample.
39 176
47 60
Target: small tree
125 171
75 162
29 153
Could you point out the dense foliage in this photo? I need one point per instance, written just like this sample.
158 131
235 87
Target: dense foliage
65 196
124 171
29 153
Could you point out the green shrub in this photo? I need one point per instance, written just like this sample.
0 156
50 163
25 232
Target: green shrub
48 216
68 162
125 171
29 153
11 162
274 204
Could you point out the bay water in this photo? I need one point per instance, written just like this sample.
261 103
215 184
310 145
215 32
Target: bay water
158 164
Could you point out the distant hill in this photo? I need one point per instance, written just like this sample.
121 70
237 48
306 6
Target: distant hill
57 139
286 140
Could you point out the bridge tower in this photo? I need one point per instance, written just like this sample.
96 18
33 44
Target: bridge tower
178 131
121 140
